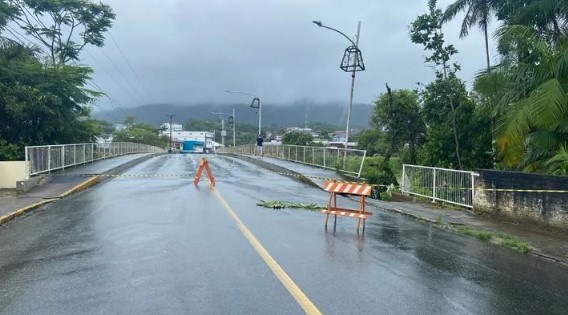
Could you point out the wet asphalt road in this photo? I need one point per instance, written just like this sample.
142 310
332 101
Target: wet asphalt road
160 246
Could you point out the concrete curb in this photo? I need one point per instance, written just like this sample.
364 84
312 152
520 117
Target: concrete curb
12 215
82 186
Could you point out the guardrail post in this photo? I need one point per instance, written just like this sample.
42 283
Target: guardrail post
313 155
403 188
62 156
324 149
434 186
26 166
472 188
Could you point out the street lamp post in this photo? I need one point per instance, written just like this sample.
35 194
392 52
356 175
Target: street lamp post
256 103
352 62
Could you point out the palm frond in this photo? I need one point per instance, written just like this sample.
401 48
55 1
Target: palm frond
454 9
558 164
548 104
514 125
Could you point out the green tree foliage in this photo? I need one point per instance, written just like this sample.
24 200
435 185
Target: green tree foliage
473 133
141 133
372 140
40 105
106 128
547 17
401 121
48 103
531 85
64 28
297 138
440 95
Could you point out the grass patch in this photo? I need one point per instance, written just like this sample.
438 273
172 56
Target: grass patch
276 204
513 242
480 235
498 238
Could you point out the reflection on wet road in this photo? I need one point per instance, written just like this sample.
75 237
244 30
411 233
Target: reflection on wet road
160 245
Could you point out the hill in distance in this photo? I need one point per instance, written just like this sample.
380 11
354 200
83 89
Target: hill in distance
272 115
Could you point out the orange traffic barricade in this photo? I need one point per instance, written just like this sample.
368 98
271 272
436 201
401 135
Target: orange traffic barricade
342 188
204 164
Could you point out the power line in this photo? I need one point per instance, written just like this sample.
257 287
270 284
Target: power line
123 77
132 68
112 77
107 72
112 102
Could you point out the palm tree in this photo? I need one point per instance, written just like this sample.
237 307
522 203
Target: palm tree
477 12
534 98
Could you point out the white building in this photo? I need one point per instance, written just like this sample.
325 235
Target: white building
178 137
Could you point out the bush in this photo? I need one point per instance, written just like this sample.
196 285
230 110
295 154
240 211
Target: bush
9 152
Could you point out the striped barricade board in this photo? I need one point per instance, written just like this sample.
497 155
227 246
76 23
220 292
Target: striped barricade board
344 188
347 188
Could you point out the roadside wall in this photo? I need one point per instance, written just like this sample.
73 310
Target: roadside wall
11 172
546 208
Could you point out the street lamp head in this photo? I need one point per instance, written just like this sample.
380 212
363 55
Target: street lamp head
318 23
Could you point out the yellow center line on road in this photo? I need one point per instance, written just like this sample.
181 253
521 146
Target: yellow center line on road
295 291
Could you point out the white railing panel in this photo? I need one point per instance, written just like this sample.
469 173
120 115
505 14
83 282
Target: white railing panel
439 184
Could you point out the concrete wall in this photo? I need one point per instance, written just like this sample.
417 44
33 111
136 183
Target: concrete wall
11 172
546 208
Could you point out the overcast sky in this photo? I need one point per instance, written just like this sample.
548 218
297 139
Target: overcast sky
191 51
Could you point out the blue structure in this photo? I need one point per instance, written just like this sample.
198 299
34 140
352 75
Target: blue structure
192 146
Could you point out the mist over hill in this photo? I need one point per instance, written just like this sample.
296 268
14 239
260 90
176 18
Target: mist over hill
272 115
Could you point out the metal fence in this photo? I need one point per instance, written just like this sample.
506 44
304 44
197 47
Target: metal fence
43 159
348 161
447 185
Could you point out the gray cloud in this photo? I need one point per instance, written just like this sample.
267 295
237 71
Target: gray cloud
188 52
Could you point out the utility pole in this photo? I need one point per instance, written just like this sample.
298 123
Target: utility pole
352 88
171 122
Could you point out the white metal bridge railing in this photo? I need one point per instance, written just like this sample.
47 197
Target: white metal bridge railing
47 158
348 161
439 184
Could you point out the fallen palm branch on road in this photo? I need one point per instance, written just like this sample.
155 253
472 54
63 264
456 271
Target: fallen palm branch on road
276 204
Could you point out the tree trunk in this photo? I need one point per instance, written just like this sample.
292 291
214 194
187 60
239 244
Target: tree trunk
456 139
392 132
486 47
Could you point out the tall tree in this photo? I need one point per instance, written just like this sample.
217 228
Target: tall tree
297 138
476 12
548 17
427 30
534 100
397 114
64 28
